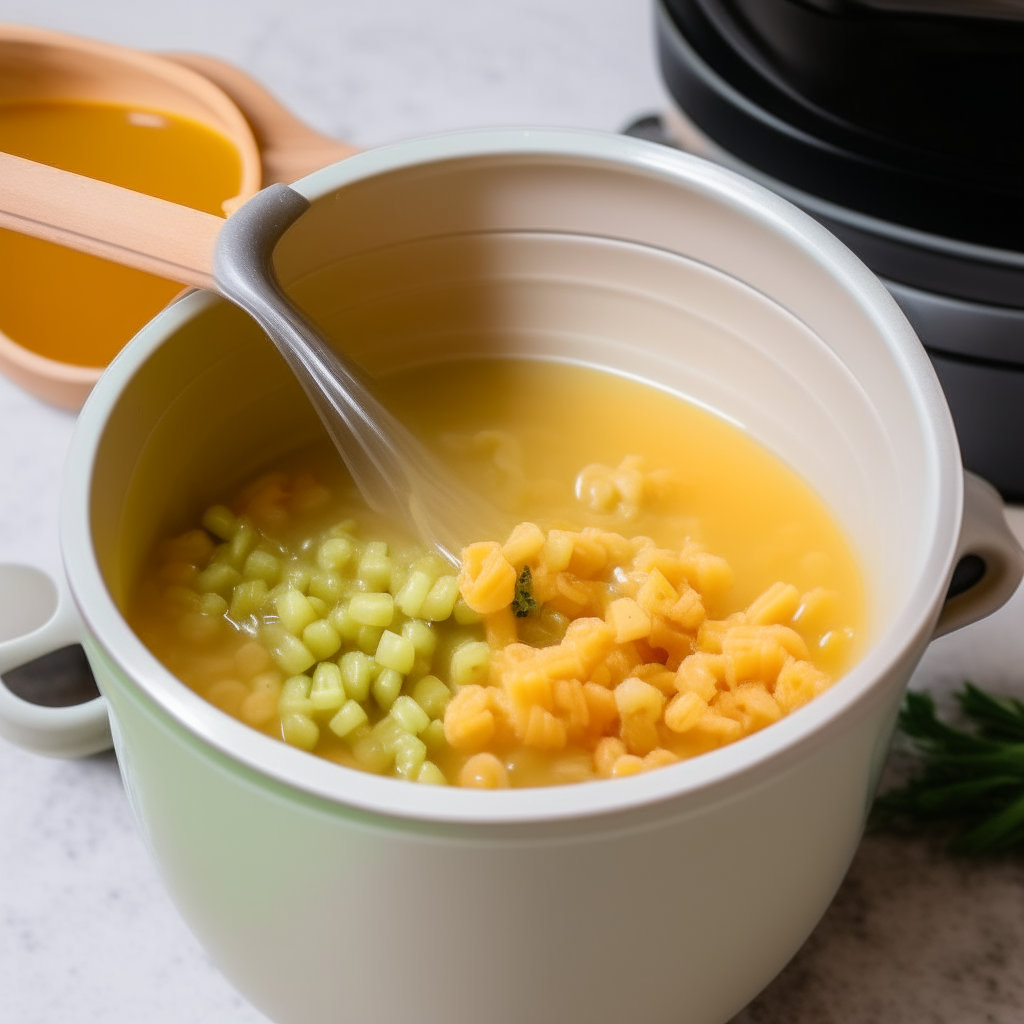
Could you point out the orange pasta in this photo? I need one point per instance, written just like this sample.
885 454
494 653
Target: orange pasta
604 636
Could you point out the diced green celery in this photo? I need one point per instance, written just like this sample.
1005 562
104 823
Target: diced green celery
420 668
399 574
294 696
433 735
412 595
220 521
386 687
299 730
376 750
328 675
389 731
212 604
431 695
241 543
247 599
374 568
322 639
290 654
295 611
326 585
554 622
440 602
422 637
464 615
328 693
297 576
220 554
342 621
470 663
262 565
395 652
410 755
431 774
358 733
372 609
433 565
371 754
368 638
334 554
357 673
409 715
297 686
218 578
348 719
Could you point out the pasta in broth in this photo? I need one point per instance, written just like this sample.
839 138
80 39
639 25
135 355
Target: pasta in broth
672 587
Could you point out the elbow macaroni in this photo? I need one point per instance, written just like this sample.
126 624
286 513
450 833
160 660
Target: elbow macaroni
642 676
556 654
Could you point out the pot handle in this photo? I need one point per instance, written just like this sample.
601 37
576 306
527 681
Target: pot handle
990 562
38 619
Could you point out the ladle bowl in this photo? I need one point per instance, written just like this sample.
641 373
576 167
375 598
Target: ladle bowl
39 65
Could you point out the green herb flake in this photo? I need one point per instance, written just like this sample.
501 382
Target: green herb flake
523 602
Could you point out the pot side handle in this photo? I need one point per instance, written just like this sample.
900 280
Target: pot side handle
38 618
989 559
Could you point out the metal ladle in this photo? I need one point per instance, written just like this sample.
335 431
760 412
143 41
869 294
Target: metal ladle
395 473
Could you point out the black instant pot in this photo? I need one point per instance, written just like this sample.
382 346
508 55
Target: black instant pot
899 124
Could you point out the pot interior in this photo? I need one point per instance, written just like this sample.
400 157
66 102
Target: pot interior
730 299
230 406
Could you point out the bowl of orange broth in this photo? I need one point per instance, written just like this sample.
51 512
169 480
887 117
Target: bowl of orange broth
126 117
615 764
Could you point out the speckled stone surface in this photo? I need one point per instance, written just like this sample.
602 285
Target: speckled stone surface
87 933
914 936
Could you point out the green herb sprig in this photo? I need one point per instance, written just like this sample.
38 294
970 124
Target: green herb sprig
523 603
975 778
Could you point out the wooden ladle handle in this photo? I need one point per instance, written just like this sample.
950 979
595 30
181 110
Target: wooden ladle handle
288 148
144 232
105 220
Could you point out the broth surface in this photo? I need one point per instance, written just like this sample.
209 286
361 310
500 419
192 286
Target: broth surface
539 439
71 306
732 495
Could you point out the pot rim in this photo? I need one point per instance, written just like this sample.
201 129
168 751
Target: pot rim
721 771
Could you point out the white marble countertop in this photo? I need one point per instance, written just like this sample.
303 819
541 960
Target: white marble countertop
86 931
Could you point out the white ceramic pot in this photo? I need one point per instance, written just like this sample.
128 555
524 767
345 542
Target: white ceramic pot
326 894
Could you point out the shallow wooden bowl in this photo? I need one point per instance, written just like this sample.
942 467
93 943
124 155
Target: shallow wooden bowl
37 64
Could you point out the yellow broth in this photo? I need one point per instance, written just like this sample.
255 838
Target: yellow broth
577 453
82 309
